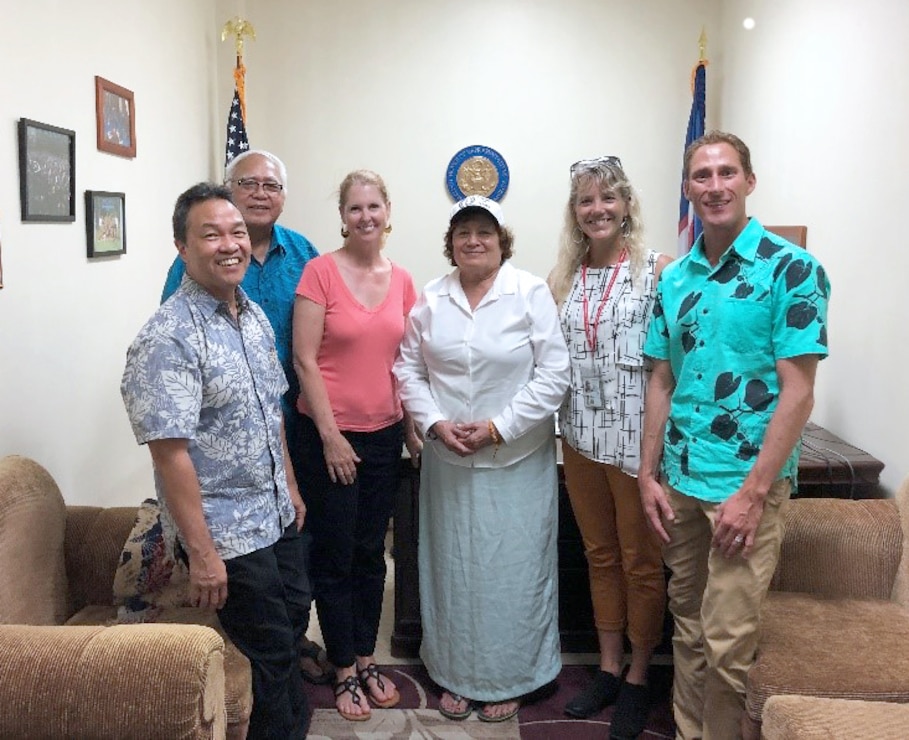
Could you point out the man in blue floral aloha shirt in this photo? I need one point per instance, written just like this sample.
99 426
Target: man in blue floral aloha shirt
738 327
202 387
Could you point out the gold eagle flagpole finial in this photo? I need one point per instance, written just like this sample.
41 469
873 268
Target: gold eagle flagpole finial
702 56
238 28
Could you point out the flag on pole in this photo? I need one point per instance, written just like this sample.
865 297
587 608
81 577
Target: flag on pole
689 224
237 141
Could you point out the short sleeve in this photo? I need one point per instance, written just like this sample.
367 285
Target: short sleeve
410 293
173 279
656 345
801 293
315 282
162 388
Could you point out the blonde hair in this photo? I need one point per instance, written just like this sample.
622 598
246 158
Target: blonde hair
361 177
573 243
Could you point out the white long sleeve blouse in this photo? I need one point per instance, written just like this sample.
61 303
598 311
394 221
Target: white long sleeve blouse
506 360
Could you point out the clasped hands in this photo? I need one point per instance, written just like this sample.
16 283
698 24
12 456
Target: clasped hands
463 438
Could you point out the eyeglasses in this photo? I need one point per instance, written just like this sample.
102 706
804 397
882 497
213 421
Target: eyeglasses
589 164
249 185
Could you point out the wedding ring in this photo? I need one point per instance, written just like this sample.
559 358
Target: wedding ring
738 539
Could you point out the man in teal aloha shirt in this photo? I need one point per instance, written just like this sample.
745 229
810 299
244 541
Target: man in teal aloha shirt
739 326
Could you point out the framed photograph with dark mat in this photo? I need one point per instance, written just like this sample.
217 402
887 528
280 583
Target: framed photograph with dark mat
115 114
105 223
47 172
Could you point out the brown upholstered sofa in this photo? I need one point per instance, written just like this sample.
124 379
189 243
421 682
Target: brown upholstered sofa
836 622
67 669
795 717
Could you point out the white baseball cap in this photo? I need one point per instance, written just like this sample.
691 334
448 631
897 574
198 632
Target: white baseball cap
478 201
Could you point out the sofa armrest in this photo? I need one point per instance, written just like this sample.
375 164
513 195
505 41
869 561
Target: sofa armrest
836 547
94 541
137 681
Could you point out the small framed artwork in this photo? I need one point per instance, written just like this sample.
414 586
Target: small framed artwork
105 223
47 172
115 111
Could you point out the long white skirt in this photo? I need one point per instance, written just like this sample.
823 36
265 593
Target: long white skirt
488 575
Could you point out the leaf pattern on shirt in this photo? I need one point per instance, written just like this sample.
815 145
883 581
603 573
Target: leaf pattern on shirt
180 386
741 403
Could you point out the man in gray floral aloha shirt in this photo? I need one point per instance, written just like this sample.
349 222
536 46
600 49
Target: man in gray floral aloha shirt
202 387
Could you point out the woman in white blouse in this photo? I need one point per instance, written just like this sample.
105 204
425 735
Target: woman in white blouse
604 284
483 367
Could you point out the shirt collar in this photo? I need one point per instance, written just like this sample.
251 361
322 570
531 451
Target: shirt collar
506 282
207 303
745 245
278 239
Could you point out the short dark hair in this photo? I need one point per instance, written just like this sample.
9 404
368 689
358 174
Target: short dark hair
198 193
718 137
506 238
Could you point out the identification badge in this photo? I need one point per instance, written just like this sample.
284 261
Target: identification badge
599 387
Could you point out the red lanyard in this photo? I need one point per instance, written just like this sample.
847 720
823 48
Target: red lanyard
590 330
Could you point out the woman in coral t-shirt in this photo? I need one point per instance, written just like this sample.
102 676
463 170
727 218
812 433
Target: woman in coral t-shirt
348 323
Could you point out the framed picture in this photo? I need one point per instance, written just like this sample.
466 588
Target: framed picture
115 111
47 172
105 223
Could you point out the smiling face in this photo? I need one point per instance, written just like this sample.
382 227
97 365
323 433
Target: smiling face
599 211
717 187
365 213
217 249
476 248
260 208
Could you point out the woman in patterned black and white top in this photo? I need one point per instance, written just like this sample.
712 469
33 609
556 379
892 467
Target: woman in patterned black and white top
604 284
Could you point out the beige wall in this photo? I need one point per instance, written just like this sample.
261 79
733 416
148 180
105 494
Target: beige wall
65 323
400 86
819 91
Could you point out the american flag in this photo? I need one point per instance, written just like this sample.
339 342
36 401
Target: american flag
237 143
689 224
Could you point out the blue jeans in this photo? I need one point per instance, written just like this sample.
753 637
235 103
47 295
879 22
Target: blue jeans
348 525
268 597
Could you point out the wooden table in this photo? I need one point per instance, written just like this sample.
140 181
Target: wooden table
829 466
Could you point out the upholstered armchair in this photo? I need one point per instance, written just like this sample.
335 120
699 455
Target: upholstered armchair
836 621
68 668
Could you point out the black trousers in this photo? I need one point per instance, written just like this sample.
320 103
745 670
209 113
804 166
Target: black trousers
348 525
268 600
293 431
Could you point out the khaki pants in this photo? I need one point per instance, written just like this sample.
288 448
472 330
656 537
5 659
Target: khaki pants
627 586
716 603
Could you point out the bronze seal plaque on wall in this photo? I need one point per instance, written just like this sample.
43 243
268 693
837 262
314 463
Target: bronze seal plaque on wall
477 170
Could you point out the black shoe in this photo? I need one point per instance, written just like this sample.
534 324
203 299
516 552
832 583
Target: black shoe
601 692
632 709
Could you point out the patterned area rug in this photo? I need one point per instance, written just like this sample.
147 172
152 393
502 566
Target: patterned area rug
541 717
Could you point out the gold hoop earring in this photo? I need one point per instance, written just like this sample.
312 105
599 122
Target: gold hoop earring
577 236
345 232
388 229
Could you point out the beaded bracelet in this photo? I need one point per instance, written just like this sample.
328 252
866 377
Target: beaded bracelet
496 439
